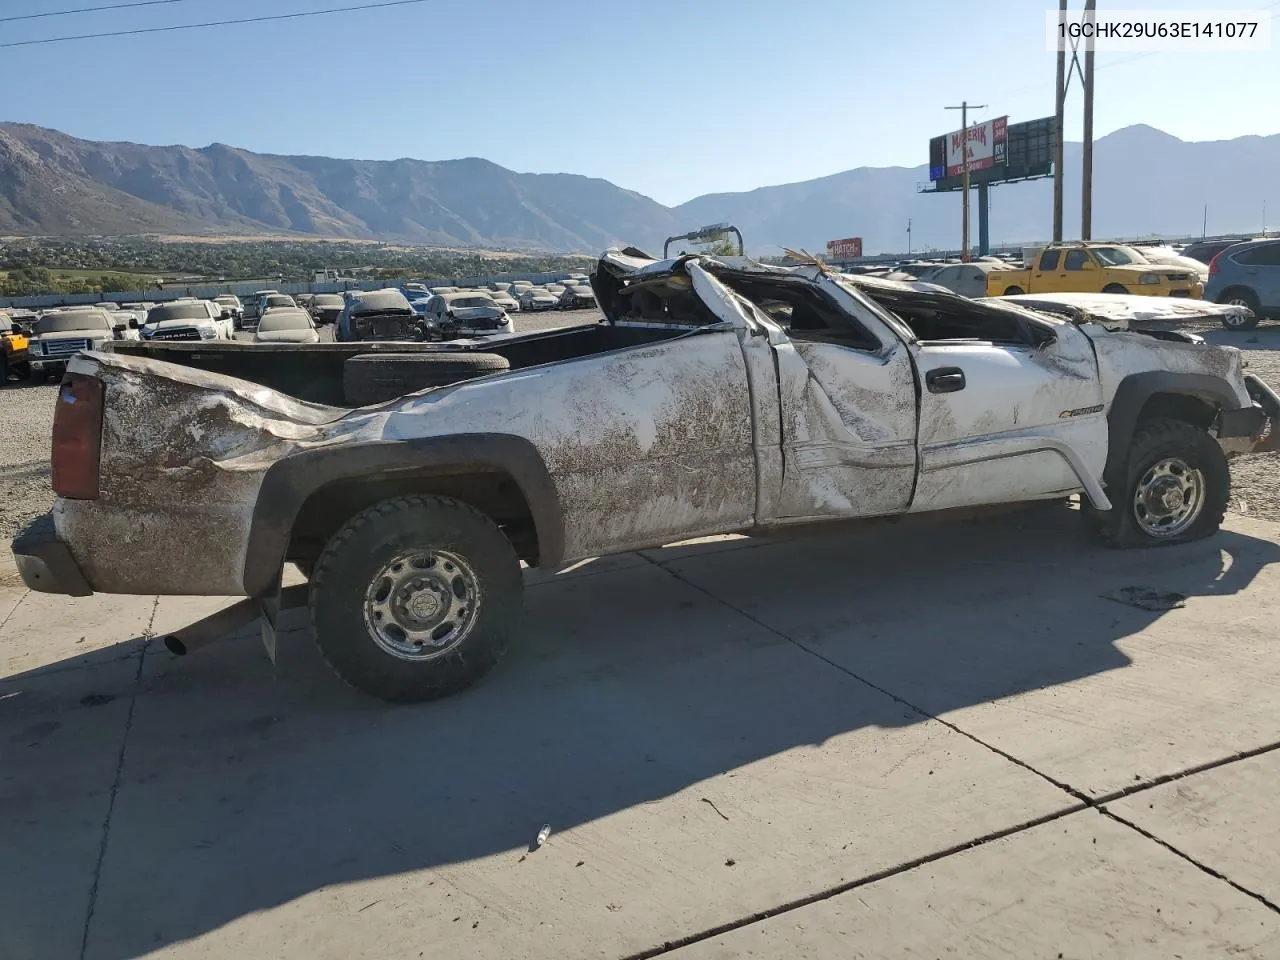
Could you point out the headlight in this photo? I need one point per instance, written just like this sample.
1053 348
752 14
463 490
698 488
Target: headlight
208 333
1149 278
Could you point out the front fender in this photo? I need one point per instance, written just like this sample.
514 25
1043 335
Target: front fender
1132 395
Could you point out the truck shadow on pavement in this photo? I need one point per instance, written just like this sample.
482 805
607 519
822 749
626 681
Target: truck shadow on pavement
241 787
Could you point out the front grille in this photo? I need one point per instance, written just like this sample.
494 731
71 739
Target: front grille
182 333
64 348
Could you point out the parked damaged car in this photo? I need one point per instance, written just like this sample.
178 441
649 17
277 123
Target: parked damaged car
378 315
717 396
465 314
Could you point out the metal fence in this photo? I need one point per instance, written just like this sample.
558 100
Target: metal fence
208 290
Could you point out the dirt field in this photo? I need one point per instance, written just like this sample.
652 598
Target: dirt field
24 447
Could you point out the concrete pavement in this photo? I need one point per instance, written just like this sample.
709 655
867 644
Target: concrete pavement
898 742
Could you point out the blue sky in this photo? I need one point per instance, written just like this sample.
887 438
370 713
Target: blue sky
669 98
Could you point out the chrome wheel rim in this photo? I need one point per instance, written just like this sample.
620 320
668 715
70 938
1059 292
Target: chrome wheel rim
422 604
1168 498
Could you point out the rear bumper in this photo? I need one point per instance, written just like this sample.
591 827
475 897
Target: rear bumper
45 563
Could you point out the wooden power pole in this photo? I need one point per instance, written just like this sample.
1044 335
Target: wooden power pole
964 146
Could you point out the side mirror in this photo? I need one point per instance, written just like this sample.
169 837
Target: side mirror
119 328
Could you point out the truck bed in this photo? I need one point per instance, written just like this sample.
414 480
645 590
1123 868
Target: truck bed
313 371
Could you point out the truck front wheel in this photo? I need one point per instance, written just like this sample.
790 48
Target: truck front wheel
1115 288
415 598
1013 291
1176 488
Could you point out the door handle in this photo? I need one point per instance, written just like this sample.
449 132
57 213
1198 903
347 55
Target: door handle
944 380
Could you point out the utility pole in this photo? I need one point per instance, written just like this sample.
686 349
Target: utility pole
1086 179
1204 226
909 235
1060 99
964 146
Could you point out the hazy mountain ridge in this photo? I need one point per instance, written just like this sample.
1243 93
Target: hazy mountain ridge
1145 182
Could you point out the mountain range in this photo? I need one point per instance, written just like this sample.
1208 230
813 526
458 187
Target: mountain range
1145 182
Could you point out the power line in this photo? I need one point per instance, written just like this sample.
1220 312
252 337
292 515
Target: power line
67 13
216 23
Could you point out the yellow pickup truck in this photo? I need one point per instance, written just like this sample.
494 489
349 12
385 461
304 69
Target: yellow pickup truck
1094 268
14 349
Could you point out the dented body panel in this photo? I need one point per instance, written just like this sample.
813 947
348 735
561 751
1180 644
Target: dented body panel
735 416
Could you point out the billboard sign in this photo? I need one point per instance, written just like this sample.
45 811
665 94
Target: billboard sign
842 249
985 145
1023 151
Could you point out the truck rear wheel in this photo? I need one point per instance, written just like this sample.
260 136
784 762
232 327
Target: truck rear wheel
1115 288
415 598
1176 487
1013 291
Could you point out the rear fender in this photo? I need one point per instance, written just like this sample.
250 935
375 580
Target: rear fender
290 482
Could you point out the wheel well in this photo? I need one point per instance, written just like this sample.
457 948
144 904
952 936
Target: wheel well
493 493
1178 406
1237 288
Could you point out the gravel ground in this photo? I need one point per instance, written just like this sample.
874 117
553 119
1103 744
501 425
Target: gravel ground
24 443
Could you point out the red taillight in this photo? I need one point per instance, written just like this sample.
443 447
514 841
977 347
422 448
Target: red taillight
1213 264
77 437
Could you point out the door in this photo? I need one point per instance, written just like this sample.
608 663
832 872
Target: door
846 399
1002 421
1080 272
1047 277
1262 273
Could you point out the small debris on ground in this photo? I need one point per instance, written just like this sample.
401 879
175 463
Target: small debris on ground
1144 598
543 834
580 863
714 807
731 862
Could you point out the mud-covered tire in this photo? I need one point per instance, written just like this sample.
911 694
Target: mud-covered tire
379 377
1154 442
356 556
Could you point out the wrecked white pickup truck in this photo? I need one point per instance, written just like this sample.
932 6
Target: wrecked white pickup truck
718 395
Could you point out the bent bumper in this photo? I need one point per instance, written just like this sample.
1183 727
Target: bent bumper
45 563
1252 429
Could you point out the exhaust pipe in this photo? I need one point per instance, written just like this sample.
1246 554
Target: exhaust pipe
221 625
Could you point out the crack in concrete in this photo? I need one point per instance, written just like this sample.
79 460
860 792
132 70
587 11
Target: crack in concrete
827 894
1083 800
1218 875
147 636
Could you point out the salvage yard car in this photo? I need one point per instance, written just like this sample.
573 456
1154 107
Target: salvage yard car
326 307
187 320
1095 268
59 335
378 315
535 299
576 298
286 325
466 313
717 396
